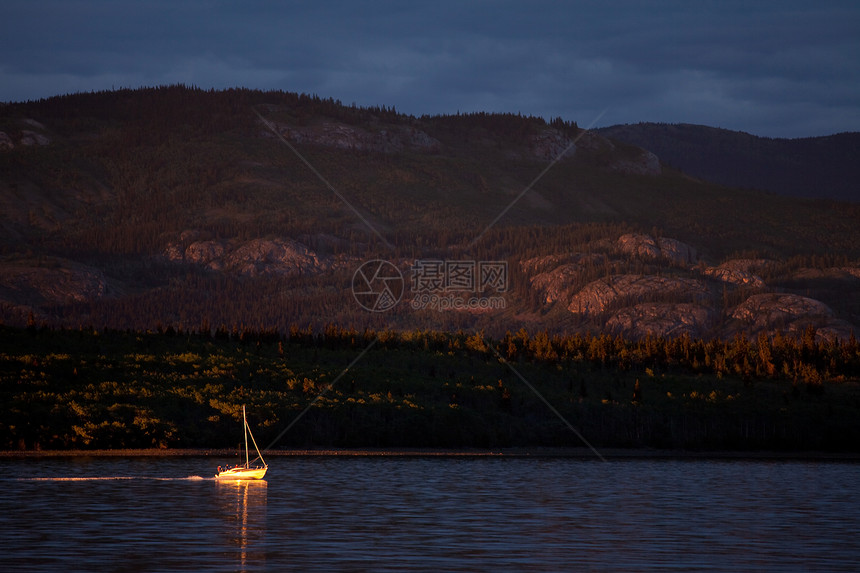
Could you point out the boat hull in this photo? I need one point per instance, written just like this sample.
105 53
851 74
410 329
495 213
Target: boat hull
241 473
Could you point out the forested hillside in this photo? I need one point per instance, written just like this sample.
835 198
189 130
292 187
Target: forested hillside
816 167
183 208
169 254
89 389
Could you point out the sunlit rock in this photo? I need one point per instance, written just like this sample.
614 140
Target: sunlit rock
275 256
648 247
599 295
734 276
559 273
661 319
204 252
778 309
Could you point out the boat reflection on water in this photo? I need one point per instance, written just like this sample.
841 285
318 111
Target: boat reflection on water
243 505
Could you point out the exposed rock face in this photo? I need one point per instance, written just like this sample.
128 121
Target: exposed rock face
33 138
342 136
754 266
764 311
676 251
735 276
790 314
60 283
204 252
558 283
278 256
33 123
648 247
542 264
5 141
549 144
27 137
598 295
645 164
661 319
832 329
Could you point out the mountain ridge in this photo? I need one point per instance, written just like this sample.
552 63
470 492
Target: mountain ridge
193 207
814 167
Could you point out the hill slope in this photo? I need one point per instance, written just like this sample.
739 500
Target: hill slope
179 207
822 167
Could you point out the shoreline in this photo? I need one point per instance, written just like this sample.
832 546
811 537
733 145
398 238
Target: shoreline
538 452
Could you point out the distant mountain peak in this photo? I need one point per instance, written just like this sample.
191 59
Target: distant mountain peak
815 167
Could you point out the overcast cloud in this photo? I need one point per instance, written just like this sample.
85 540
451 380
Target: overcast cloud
774 68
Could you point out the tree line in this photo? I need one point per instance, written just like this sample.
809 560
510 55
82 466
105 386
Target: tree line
170 388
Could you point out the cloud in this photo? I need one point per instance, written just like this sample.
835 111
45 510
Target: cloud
772 68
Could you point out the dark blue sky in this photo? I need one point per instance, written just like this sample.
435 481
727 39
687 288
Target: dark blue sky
775 68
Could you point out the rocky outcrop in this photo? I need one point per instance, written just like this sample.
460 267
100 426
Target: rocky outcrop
275 257
648 247
661 319
54 281
341 136
599 295
279 256
6 142
551 144
752 266
829 330
635 305
729 274
790 314
205 253
558 283
774 306
35 135
30 138
541 264
676 251
646 163
765 311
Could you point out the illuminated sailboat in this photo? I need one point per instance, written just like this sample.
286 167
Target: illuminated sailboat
246 471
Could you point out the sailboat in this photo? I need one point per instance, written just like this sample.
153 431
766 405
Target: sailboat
246 471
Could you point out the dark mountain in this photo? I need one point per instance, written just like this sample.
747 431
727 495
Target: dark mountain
191 209
818 167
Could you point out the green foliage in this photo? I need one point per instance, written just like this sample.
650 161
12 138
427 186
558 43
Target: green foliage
83 389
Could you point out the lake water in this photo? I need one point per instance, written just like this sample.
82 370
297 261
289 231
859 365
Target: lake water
392 513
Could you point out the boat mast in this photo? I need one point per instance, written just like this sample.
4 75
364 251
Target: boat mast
245 423
256 447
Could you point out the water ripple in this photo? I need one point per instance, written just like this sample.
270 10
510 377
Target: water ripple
418 514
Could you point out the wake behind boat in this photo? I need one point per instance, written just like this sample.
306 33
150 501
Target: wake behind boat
246 471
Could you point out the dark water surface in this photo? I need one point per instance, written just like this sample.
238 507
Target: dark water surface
348 513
